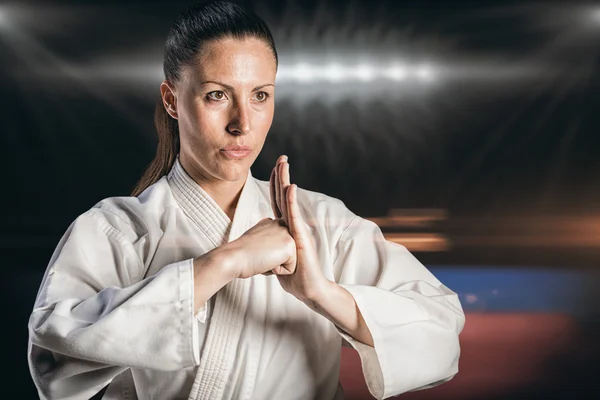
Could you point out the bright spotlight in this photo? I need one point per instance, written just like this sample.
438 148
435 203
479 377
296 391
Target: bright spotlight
303 72
365 73
339 73
424 73
334 72
395 73
4 19
596 15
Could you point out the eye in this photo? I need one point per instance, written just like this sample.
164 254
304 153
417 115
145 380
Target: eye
261 96
216 95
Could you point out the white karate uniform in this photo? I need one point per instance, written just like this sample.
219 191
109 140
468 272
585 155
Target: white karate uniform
116 306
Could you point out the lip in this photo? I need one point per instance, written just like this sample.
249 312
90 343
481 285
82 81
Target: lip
236 152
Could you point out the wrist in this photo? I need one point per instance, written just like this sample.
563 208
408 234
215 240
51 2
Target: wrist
221 261
212 271
320 294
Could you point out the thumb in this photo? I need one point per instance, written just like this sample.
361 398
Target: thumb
288 267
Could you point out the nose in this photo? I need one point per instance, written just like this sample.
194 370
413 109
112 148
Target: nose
240 120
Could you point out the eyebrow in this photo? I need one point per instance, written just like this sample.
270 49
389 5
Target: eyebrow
231 87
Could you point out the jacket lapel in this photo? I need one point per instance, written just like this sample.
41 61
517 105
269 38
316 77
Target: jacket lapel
231 302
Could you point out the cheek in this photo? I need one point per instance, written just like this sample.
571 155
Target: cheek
208 117
208 123
263 121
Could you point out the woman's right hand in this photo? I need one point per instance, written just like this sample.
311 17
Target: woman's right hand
265 248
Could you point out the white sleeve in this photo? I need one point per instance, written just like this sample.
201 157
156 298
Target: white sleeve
95 316
414 319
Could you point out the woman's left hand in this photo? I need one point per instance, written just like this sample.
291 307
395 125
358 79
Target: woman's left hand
308 281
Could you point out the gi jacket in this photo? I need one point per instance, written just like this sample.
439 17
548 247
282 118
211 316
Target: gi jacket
116 306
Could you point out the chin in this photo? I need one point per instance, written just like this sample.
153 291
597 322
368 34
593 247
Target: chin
234 173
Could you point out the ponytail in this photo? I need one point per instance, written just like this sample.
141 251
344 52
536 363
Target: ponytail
166 152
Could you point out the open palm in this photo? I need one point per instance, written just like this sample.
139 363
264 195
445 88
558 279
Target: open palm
308 279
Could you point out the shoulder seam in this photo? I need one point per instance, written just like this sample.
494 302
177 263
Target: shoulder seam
341 238
110 230
354 221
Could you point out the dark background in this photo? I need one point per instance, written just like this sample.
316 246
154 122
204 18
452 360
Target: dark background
504 136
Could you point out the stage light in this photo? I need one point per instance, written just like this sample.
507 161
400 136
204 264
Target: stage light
302 72
334 72
595 14
424 73
395 73
4 19
364 73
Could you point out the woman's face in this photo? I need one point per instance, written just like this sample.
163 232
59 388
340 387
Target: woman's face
224 106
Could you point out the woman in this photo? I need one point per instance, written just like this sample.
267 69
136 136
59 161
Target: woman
211 284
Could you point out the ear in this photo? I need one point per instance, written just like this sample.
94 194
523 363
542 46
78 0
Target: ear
169 98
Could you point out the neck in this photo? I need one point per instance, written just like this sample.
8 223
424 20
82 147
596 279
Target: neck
225 193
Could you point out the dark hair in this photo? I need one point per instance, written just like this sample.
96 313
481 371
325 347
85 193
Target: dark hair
193 28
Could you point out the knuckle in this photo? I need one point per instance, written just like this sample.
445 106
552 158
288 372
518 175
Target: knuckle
289 241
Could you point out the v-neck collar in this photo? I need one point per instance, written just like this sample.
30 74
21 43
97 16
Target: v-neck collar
205 211
231 302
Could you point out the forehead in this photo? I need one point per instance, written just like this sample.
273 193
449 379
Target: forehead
231 61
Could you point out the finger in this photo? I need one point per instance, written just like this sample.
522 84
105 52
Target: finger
282 171
289 266
278 186
296 222
280 161
281 222
286 185
272 184
284 269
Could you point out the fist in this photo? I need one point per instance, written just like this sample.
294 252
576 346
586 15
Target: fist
264 248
